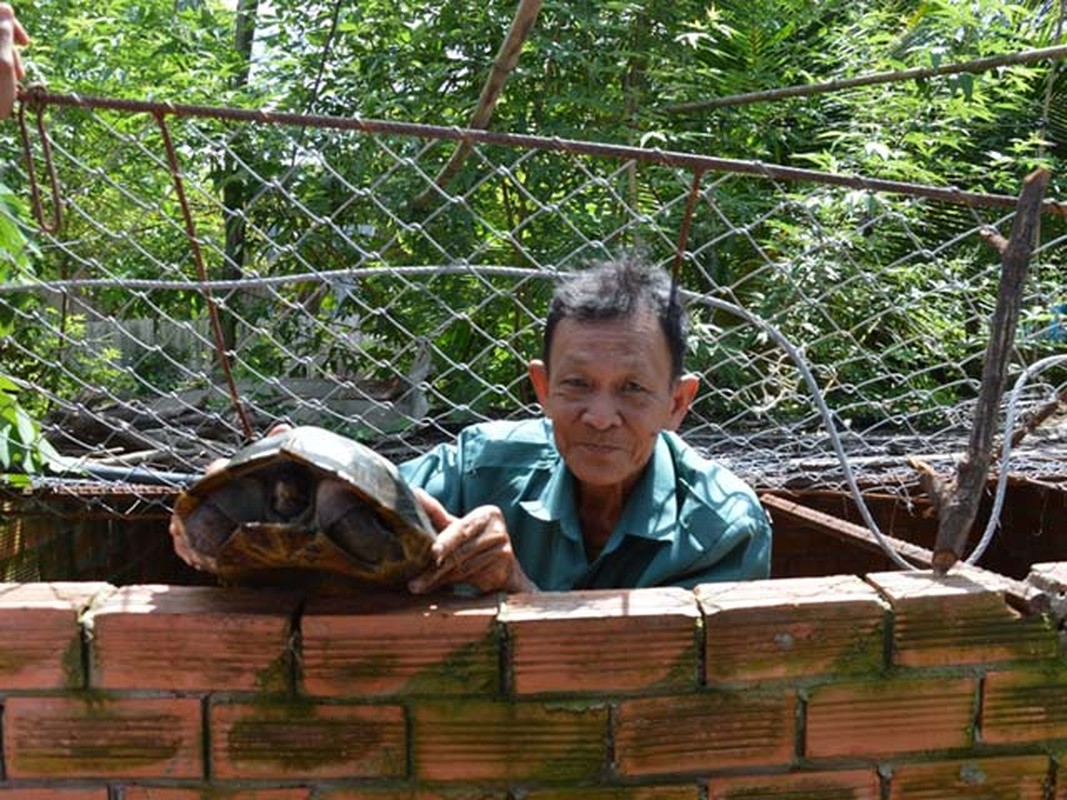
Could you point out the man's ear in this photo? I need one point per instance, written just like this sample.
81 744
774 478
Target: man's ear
539 378
682 396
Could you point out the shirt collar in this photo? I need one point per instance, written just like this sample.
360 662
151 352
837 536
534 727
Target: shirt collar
651 510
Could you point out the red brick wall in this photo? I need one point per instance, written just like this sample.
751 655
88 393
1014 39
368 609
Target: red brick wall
896 686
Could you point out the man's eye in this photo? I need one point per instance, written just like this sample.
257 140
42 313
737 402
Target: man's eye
633 387
573 383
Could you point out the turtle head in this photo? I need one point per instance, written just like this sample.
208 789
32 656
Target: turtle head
290 492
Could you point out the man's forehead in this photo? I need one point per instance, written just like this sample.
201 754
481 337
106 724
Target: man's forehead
634 337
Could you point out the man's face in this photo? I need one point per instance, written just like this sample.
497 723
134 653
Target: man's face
609 393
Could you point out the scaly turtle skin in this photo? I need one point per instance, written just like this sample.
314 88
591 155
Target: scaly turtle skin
304 500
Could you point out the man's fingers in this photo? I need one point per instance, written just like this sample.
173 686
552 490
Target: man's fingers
481 567
467 548
437 513
463 530
179 543
9 66
426 582
21 37
11 70
216 465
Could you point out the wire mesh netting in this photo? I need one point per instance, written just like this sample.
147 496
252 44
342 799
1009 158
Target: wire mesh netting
213 273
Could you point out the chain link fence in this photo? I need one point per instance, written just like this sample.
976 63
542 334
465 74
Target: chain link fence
201 273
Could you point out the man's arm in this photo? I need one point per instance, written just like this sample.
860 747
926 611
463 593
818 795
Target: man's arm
11 69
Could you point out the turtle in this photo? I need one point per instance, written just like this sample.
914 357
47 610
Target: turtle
303 501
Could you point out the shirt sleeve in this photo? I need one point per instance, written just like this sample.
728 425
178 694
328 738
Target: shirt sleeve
437 471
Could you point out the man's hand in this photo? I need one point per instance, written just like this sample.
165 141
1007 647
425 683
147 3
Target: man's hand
11 70
473 549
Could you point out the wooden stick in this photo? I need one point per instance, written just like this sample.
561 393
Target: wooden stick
957 500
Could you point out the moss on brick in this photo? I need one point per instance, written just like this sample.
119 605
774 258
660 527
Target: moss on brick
294 738
683 672
758 792
369 666
12 660
469 668
298 745
275 677
74 665
472 668
1015 639
487 740
1055 670
89 744
864 654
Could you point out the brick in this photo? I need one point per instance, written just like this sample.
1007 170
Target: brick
213 793
155 737
1020 778
386 644
662 735
603 641
41 634
1049 576
851 785
23 793
1022 707
758 630
418 793
480 740
958 619
280 740
688 792
891 716
192 638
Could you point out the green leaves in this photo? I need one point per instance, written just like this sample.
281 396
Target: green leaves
603 71
23 450
14 246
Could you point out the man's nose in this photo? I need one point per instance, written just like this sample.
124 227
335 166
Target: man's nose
601 412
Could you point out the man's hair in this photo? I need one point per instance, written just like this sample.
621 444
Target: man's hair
619 289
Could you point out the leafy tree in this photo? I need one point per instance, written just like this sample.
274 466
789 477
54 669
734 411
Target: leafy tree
621 71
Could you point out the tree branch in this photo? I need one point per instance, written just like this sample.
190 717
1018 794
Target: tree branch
506 59
958 505
872 79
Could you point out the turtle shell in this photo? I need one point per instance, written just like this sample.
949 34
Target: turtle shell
304 500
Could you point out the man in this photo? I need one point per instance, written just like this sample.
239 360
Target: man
11 70
600 493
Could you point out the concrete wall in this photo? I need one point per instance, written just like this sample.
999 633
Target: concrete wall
893 686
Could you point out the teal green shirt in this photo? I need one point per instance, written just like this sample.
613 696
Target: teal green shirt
688 521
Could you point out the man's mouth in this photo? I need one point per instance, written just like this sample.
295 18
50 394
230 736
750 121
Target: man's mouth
600 447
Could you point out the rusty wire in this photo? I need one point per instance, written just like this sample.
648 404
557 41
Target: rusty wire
201 271
689 161
31 171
